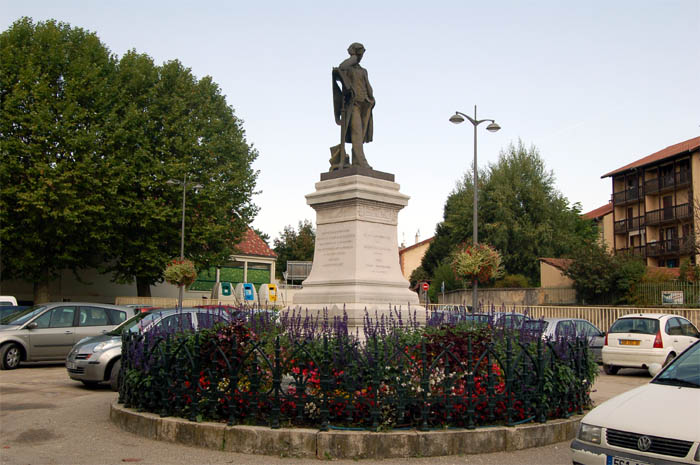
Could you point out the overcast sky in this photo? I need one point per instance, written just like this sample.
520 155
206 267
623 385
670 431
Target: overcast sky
593 85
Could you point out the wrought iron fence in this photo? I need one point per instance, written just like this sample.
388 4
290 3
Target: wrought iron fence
652 293
445 378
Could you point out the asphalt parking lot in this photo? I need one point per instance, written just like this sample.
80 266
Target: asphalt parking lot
46 418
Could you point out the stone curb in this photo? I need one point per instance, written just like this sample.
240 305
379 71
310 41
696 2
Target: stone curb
308 443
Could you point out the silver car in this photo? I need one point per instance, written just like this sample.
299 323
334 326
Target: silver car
557 328
97 359
47 332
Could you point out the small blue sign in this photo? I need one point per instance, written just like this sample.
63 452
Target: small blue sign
248 292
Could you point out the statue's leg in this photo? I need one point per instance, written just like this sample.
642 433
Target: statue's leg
357 134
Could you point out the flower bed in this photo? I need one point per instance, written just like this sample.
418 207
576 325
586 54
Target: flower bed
312 373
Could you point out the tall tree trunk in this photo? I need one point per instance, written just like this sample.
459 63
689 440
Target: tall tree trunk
41 289
143 289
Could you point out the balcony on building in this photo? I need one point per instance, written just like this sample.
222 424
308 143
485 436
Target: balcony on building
668 214
630 224
626 196
667 182
670 247
639 251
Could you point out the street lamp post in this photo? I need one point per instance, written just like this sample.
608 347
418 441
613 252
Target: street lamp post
182 225
458 118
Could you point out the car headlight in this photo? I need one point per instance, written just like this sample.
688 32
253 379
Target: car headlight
589 433
697 454
106 345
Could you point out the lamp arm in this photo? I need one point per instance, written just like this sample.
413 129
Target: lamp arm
475 122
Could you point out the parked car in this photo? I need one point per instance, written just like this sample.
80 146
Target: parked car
654 423
97 359
138 308
8 301
556 328
509 319
48 331
641 339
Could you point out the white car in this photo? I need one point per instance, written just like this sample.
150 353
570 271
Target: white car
658 423
642 339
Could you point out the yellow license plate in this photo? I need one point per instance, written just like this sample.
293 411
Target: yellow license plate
629 342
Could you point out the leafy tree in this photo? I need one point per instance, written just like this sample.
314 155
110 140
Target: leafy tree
417 276
293 245
55 187
88 144
602 278
521 214
688 272
512 281
168 126
264 236
443 273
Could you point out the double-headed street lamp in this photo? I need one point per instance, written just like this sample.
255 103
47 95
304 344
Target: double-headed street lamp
182 230
458 118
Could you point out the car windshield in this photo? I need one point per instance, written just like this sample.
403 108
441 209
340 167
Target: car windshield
21 316
538 326
479 318
684 371
635 325
132 324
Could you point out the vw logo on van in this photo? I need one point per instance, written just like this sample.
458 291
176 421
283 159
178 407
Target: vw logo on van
644 443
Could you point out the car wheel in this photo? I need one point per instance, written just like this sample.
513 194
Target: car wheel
610 369
89 384
669 359
11 355
114 375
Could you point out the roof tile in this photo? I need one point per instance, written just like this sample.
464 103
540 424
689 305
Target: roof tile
681 147
561 263
251 244
598 212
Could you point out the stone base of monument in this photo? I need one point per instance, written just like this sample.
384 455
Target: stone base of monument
356 262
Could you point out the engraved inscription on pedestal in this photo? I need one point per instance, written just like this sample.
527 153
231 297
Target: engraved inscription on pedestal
356 259
333 246
378 250
363 210
379 212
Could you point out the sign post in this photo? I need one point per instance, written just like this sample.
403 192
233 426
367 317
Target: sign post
426 286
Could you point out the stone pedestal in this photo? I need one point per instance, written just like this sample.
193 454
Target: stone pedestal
356 259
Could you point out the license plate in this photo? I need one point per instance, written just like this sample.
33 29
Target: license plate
71 365
623 461
629 342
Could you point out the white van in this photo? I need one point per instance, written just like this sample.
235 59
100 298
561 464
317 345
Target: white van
7 301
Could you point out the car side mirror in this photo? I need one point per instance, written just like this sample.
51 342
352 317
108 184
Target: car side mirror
32 325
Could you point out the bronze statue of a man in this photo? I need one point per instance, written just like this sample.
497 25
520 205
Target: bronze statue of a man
353 101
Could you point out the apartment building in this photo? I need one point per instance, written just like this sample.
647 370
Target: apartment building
654 203
603 218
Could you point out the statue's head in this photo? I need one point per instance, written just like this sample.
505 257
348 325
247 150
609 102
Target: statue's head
356 48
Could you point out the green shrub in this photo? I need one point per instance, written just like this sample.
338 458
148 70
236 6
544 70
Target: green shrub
512 281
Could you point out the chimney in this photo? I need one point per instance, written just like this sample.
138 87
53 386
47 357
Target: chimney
417 236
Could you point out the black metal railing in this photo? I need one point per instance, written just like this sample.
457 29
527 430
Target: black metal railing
666 182
394 382
628 195
630 224
668 214
639 251
677 246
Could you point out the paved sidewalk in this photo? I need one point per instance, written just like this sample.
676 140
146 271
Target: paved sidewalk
47 419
